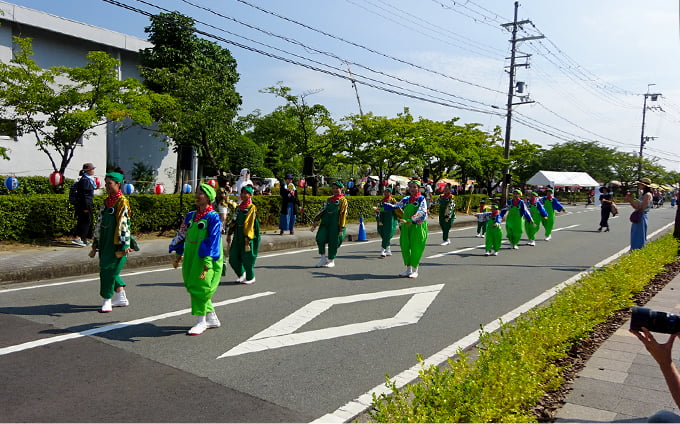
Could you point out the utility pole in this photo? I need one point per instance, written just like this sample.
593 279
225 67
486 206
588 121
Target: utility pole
515 25
643 140
356 90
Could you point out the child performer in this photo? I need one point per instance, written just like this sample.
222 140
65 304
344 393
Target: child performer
551 204
332 231
413 229
494 233
482 217
515 210
387 222
447 213
245 228
199 242
537 212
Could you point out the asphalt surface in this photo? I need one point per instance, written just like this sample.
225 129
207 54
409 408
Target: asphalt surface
620 383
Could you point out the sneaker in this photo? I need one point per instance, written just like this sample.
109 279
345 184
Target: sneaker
212 321
248 282
515 247
487 253
383 254
414 274
78 242
322 262
406 273
531 243
106 306
388 251
478 235
241 279
548 238
445 243
120 300
199 328
329 264
495 253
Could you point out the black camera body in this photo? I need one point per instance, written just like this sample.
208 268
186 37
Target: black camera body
658 322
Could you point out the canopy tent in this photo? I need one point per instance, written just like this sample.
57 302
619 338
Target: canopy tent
562 179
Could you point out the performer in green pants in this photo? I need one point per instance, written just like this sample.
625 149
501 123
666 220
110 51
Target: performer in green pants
387 222
447 213
332 231
413 228
551 204
494 234
199 242
245 228
538 214
515 210
112 238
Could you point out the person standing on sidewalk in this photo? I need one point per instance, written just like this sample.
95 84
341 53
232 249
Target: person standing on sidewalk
538 214
447 212
199 243
638 228
387 222
83 208
551 204
332 228
289 205
245 228
515 210
113 240
413 228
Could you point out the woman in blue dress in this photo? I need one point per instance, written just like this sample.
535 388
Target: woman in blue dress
638 230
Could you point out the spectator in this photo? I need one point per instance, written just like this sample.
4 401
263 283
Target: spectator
638 228
83 207
606 208
352 188
223 201
289 205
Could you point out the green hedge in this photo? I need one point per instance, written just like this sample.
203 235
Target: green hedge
35 185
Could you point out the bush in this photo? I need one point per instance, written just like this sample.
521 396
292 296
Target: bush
35 185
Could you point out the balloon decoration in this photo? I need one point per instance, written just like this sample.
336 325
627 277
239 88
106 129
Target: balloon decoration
159 189
212 183
97 182
385 183
128 188
11 183
56 178
186 188
302 183
350 184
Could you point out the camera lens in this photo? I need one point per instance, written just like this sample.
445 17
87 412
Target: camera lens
656 321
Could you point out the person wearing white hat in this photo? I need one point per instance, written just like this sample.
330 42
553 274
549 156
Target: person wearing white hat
243 180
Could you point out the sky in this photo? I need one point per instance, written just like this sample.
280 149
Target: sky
585 80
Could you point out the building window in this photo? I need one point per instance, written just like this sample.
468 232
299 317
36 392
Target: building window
8 129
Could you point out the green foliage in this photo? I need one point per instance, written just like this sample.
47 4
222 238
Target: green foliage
35 185
143 176
518 364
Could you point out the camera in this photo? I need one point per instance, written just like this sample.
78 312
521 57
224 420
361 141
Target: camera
656 321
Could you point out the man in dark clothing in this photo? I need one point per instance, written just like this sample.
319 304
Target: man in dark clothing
83 207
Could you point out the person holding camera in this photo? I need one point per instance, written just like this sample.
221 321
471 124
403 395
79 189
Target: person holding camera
638 228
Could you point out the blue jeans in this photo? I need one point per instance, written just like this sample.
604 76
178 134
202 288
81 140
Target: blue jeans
287 221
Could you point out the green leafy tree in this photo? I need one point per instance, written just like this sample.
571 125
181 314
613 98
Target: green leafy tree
580 156
523 160
61 107
201 76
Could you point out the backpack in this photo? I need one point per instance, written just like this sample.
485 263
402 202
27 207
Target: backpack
73 194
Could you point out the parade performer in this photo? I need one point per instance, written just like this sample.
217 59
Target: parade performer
515 210
551 204
113 240
245 228
387 222
494 233
447 213
332 231
538 214
413 228
243 180
223 203
482 217
198 244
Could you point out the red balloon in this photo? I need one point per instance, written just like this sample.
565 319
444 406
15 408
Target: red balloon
97 182
212 183
159 189
56 178
302 183
386 183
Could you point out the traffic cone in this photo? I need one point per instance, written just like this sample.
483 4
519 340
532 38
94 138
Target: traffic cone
362 230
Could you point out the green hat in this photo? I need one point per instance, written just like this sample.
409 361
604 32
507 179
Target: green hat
339 184
550 190
534 193
115 176
389 190
209 191
248 188
416 182
494 206
517 191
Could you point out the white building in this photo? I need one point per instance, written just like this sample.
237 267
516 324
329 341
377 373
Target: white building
60 41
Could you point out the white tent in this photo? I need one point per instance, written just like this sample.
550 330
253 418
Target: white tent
562 179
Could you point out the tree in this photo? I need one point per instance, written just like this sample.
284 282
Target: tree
580 156
201 76
61 107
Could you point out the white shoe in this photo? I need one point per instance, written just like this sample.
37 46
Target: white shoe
388 251
445 243
383 253
495 253
515 247
414 274
119 299
212 321
322 262
478 235
408 272
199 328
487 253
531 243
548 238
248 282
241 279
106 306
329 264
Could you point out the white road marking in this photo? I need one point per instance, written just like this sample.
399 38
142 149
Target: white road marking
352 409
90 332
282 333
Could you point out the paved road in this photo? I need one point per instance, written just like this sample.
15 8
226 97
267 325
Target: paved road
299 344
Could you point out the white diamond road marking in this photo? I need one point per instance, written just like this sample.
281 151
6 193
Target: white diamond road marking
282 333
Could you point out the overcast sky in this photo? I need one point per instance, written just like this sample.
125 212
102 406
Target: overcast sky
587 77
